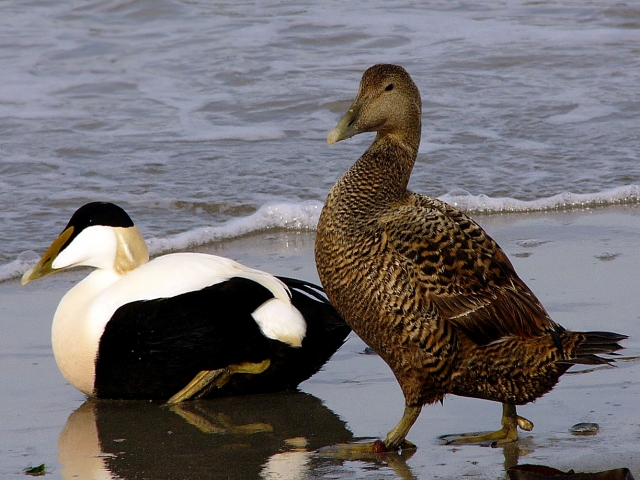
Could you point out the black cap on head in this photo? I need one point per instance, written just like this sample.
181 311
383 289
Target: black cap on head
99 213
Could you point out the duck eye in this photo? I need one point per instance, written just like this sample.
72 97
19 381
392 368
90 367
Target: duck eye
389 87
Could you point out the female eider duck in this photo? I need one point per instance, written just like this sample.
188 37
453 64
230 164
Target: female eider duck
181 326
424 286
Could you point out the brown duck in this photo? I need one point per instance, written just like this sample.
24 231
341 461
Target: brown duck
423 284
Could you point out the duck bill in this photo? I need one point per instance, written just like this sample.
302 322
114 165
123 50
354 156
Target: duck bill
45 266
346 127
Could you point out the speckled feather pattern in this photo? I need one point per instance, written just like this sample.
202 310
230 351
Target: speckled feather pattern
421 282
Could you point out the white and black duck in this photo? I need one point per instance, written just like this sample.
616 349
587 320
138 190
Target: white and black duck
180 326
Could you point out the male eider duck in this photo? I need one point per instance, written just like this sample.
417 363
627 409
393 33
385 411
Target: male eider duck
422 283
181 326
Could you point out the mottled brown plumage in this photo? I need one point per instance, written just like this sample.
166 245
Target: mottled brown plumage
422 283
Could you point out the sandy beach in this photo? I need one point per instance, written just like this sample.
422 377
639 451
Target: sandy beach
583 265
207 122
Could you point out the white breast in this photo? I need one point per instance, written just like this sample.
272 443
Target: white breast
73 333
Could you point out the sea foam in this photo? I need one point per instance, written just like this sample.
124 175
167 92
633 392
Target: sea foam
628 194
305 215
290 216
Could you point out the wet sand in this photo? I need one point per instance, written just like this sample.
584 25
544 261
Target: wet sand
583 265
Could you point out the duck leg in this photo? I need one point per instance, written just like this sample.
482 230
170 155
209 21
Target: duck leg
508 433
395 439
199 382
247 367
207 380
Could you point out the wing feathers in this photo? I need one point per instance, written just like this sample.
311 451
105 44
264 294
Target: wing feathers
465 273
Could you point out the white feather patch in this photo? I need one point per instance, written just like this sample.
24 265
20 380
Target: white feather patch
281 321
94 246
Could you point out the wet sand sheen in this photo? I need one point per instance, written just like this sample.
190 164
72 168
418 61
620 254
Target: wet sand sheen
584 267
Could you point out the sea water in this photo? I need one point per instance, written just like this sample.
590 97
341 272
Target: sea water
207 120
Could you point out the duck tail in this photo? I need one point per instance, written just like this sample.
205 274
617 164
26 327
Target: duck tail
589 345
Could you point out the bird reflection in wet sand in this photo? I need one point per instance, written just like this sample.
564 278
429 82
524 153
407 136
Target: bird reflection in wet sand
254 436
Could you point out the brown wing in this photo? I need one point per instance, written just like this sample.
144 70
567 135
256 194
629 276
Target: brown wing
466 274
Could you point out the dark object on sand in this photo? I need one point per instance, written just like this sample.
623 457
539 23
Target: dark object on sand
38 471
541 472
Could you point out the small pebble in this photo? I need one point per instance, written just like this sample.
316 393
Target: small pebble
607 256
531 243
585 429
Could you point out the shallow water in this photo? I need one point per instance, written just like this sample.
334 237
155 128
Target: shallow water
195 114
582 265
207 122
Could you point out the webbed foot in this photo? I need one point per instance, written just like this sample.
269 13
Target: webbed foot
362 449
395 440
507 434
